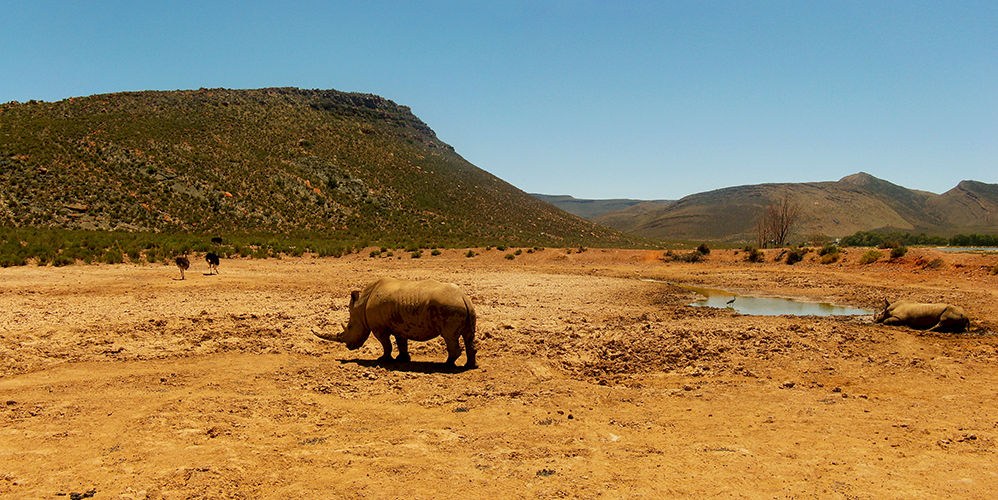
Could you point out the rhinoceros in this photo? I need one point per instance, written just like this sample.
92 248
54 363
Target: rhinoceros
935 317
410 310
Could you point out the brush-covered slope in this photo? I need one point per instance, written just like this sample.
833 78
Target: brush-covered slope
281 160
858 202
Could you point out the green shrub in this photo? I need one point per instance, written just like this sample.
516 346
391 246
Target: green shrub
62 260
470 254
693 256
753 254
829 258
829 250
870 257
518 251
435 252
509 256
796 255
112 256
375 253
898 252
417 254
704 249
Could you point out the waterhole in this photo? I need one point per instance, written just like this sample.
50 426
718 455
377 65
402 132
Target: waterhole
766 306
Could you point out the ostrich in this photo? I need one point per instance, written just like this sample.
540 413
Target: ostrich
183 264
212 259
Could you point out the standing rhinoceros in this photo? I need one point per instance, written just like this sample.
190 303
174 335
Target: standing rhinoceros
410 310
935 317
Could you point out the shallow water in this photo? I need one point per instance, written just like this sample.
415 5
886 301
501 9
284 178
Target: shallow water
768 306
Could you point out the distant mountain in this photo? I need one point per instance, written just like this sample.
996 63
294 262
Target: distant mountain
281 160
589 209
859 202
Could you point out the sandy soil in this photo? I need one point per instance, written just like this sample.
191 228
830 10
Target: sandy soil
126 382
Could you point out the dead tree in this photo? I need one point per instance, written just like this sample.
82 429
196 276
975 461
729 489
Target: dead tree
777 221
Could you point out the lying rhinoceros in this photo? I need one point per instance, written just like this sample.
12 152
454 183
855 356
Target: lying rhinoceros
935 317
410 310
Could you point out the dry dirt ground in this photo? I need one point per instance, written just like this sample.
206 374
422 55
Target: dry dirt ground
125 382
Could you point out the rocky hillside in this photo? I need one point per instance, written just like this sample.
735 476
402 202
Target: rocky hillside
858 202
279 160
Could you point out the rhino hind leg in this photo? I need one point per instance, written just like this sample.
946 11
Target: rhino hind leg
453 350
469 349
403 345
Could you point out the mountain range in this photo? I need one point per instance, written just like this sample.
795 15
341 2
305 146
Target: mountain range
858 202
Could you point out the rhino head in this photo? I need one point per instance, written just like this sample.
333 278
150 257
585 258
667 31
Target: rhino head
879 317
355 332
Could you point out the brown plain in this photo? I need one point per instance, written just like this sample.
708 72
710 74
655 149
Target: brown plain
123 382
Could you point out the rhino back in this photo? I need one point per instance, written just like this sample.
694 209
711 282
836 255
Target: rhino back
416 310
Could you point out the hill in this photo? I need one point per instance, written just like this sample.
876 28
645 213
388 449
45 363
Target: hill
858 202
281 160
589 209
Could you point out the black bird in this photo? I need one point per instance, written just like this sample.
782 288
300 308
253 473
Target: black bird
183 264
732 301
212 259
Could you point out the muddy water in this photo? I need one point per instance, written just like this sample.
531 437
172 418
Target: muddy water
768 306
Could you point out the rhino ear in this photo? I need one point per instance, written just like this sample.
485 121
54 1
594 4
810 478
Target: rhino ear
886 304
354 295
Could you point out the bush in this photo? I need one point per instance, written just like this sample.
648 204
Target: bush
435 252
470 254
796 255
518 251
898 252
704 249
417 254
829 250
509 256
375 253
870 257
753 254
936 264
694 256
829 258
112 256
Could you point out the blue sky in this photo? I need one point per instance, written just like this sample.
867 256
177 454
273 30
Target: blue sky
596 99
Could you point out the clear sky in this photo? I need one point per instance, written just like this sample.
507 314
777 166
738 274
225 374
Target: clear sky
596 99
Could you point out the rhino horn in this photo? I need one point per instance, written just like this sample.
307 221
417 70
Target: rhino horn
327 336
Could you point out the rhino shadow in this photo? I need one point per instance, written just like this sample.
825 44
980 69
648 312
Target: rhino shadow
406 367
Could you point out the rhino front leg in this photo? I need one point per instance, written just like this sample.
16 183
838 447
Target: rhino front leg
403 344
386 343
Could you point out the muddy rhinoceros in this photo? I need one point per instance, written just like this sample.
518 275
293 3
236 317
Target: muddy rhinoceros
410 310
935 317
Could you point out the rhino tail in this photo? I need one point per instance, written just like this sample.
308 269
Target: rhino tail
470 325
